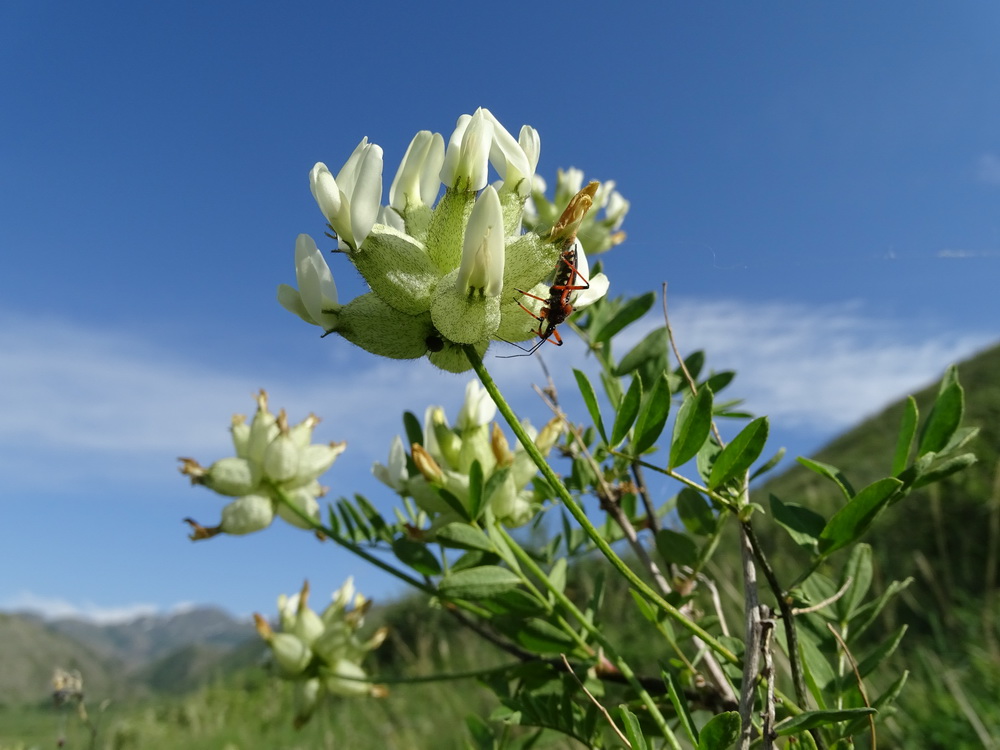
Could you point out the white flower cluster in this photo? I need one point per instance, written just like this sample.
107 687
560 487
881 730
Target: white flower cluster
443 273
321 652
273 461
445 457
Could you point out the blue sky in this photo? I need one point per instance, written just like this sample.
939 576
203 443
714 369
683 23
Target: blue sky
819 184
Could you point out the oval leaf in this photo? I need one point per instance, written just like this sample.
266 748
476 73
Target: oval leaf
830 472
417 556
812 719
675 547
478 583
633 730
627 412
853 520
476 493
652 347
694 421
463 536
695 512
535 634
721 732
742 451
652 416
590 400
907 430
802 524
634 309
945 416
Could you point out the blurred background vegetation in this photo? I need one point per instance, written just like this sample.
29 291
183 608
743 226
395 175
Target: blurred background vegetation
199 679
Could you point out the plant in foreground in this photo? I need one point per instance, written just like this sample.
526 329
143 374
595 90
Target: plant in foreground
447 278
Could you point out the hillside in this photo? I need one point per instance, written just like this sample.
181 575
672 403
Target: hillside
942 536
168 653
30 651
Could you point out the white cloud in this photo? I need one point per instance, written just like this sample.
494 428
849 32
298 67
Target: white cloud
82 403
822 367
54 608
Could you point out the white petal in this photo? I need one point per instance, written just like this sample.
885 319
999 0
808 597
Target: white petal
466 164
317 290
531 144
410 186
289 298
598 288
325 190
430 180
390 217
449 170
366 197
483 247
507 156
348 174
477 409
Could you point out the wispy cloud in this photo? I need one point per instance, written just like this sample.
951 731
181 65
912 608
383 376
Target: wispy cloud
54 608
82 402
822 367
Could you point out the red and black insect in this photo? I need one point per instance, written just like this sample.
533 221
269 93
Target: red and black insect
566 280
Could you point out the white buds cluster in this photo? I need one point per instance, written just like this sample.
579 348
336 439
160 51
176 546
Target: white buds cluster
274 461
321 652
445 458
443 272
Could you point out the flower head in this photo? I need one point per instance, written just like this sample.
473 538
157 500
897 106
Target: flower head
275 472
321 651
444 461
448 271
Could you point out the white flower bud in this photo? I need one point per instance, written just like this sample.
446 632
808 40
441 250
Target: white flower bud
304 499
263 430
477 409
291 654
315 301
241 434
350 202
466 162
281 459
483 248
395 474
232 477
306 697
418 179
338 680
509 159
313 461
247 514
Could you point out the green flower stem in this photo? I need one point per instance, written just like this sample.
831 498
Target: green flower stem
369 557
609 650
581 517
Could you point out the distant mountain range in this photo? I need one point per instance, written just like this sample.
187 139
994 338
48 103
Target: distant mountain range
162 653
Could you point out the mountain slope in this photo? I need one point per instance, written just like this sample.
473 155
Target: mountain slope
942 535
30 651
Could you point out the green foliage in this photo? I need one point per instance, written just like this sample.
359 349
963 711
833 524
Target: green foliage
559 600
